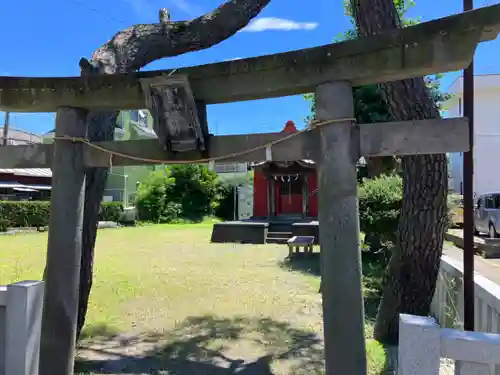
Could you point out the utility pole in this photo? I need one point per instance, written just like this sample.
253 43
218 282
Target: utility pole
468 179
6 128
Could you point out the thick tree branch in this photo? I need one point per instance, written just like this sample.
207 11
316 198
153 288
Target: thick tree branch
137 46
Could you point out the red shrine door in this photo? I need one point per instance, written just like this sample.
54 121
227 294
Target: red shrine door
289 193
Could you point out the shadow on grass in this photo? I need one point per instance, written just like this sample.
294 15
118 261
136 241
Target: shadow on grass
206 345
100 330
374 266
373 273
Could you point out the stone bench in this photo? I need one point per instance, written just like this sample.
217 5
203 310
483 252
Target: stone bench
297 242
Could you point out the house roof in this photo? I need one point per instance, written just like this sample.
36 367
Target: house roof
146 132
18 136
30 172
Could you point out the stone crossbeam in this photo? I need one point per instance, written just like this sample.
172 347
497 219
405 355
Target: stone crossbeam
380 139
441 45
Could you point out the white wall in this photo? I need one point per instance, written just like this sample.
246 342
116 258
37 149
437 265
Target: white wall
447 308
21 307
486 139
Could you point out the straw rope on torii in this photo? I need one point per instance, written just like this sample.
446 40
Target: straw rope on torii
267 146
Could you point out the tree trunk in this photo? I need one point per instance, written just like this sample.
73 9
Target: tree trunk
378 166
128 51
414 265
101 126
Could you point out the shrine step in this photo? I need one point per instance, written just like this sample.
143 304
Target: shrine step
280 228
278 237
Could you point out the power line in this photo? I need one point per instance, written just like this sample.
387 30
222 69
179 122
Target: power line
97 11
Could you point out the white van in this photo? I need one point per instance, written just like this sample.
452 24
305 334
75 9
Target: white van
487 214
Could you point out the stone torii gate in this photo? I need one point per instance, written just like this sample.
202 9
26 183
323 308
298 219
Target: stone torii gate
330 71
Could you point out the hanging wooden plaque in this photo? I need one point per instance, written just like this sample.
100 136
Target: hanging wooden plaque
175 118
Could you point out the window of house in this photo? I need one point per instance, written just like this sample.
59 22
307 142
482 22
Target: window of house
139 117
134 116
231 168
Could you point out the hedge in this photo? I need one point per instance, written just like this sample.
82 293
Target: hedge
111 211
37 213
379 204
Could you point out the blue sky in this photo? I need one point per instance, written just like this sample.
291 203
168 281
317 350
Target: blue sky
48 38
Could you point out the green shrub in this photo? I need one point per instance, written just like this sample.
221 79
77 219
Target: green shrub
171 213
151 198
4 224
111 211
223 206
24 214
379 204
195 188
455 211
180 191
37 213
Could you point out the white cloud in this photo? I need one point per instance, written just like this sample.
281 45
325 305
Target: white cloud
234 58
272 23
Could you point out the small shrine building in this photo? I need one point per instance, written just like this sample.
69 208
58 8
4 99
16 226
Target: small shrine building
285 189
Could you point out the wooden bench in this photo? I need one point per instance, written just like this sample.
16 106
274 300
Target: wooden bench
306 242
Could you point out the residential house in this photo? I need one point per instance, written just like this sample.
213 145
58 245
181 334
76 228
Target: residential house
486 133
240 175
122 181
24 183
19 137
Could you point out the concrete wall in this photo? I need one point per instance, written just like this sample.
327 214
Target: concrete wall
20 326
447 305
423 343
447 309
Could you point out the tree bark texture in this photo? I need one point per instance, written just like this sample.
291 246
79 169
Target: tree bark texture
414 265
128 51
378 166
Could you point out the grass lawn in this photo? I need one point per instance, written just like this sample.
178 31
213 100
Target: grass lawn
164 298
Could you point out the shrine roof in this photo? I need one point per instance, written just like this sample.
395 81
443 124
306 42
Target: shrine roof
305 162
